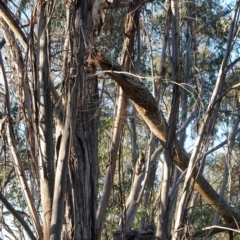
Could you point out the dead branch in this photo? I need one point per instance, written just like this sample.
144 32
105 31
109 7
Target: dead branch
154 118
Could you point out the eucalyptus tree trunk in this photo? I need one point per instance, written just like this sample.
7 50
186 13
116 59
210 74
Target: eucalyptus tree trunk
131 203
118 126
144 173
85 143
77 158
141 172
131 22
134 135
184 107
164 208
76 114
149 182
44 117
68 192
83 165
157 86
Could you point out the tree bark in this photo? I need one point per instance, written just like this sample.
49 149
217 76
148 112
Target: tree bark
45 139
164 208
131 22
137 188
83 164
74 205
205 124
146 106
118 125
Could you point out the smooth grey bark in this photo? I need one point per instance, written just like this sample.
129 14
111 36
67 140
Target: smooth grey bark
131 204
139 182
204 125
63 112
184 109
131 22
162 67
141 174
61 174
118 125
149 182
164 208
44 120
157 87
134 111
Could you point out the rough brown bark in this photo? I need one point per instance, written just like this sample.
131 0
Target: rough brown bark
77 168
81 182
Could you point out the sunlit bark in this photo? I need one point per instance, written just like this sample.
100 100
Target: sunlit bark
204 126
146 106
138 186
131 22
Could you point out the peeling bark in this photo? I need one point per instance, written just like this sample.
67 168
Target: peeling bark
81 191
146 106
